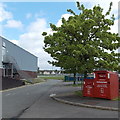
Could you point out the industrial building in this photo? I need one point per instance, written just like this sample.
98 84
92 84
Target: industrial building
15 62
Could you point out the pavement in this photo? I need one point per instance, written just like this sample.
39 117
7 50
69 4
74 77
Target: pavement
89 102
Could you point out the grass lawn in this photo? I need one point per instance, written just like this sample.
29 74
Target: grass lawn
43 79
52 77
118 99
34 80
38 80
79 93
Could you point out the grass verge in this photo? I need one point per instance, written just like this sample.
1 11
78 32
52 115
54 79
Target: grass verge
117 99
34 81
52 77
74 85
43 79
38 80
79 93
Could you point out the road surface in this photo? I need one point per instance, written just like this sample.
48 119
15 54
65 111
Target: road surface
34 102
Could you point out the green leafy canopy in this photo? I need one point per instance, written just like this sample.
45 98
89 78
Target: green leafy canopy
81 43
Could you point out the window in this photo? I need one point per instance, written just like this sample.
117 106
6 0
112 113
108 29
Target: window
3 51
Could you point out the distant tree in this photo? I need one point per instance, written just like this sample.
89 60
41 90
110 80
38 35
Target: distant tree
56 71
50 72
81 43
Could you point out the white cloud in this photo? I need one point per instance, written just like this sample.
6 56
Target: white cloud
38 25
119 27
4 15
32 41
8 18
103 3
66 16
15 42
14 24
114 28
29 15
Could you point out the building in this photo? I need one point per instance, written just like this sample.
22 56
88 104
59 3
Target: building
50 72
15 62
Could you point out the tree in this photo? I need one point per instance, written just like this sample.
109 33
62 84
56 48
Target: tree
81 43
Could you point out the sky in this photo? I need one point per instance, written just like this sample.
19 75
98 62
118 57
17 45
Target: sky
23 23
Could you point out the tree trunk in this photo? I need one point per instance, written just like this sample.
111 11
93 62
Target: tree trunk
74 82
85 74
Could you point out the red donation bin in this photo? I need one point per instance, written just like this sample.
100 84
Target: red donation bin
106 84
88 87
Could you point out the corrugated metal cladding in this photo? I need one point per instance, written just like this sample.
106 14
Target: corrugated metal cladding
25 60
0 52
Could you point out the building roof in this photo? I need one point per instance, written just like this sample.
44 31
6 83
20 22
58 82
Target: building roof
17 46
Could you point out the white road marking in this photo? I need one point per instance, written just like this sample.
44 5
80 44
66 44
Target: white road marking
8 94
52 95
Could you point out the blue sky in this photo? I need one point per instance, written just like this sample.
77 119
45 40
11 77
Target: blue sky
24 22
50 11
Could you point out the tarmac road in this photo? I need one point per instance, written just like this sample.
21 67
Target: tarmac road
34 102
15 101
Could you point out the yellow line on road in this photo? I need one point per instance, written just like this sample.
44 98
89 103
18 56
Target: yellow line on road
12 88
19 87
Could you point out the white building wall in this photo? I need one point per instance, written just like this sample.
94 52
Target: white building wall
25 60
